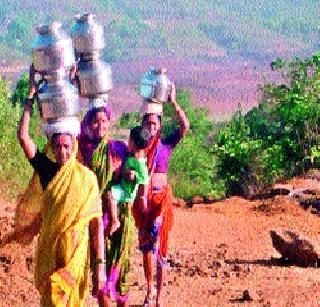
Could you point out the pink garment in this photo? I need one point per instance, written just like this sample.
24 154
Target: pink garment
110 286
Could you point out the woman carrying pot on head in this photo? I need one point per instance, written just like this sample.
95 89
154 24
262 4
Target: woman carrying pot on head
154 226
62 204
106 158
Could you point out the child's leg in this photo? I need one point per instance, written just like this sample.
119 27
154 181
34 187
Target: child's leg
112 206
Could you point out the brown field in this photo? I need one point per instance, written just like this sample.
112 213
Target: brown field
219 253
219 85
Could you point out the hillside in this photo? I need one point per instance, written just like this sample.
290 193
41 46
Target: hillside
220 50
197 30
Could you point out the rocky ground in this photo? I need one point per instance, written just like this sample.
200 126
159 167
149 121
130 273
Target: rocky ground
220 255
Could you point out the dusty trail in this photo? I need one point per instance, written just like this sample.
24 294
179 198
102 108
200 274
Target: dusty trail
221 254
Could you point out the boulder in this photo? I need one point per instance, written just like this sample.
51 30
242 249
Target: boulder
297 250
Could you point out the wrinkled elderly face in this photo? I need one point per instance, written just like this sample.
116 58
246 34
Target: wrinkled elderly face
152 123
62 148
99 125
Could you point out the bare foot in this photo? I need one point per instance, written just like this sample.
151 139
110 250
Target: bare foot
160 300
114 227
148 301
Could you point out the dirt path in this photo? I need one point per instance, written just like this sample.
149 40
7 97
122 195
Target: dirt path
221 255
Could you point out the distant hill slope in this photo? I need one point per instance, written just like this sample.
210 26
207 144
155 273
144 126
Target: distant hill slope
220 50
187 29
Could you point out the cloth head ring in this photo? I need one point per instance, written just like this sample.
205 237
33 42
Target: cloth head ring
69 125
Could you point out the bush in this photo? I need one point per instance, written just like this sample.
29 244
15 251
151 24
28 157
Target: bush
192 166
15 169
21 90
128 120
192 169
277 139
237 156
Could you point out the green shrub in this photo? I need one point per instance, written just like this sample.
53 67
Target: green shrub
21 90
128 120
277 139
237 156
192 166
315 156
15 169
192 169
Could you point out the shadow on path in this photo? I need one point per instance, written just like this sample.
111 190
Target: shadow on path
279 262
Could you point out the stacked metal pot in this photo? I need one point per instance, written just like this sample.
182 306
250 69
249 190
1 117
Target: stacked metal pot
155 89
54 54
53 57
94 75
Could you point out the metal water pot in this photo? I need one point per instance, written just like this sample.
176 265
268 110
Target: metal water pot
95 78
58 98
155 85
87 35
52 49
163 86
148 83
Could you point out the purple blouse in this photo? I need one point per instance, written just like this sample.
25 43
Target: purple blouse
164 151
87 147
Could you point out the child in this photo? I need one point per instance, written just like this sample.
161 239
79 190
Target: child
135 177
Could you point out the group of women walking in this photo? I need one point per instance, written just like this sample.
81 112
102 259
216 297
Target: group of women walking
106 158
74 211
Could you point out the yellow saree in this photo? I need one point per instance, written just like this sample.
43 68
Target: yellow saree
70 201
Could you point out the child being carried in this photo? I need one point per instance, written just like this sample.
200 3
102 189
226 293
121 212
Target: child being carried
135 178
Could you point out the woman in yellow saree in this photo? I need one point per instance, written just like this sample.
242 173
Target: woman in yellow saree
63 212
62 259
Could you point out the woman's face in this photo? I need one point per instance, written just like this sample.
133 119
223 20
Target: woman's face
62 148
152 123
99 125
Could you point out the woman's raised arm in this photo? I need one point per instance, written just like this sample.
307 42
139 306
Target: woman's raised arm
26 142
183 120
